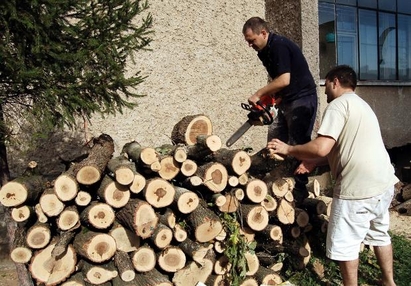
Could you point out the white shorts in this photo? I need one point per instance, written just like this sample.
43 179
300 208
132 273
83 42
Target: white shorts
355 221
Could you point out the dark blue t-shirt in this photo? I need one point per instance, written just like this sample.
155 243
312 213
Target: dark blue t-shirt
281 55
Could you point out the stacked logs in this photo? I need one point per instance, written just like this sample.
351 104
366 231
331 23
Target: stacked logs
152 216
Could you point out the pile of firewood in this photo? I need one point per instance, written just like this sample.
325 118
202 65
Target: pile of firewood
155 215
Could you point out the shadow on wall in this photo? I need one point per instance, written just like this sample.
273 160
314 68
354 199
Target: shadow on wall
401 159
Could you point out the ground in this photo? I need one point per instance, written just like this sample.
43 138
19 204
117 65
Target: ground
400 224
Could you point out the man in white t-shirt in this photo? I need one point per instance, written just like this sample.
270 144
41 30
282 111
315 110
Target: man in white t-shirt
349 140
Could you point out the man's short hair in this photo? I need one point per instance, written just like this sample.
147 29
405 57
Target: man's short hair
256 24
345 75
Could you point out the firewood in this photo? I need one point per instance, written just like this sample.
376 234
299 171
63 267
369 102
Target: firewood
90 170
97 274
159 192
205 223
56 271
239 194
126 240
256 190
38 235
94 246
280 187
142 156
152 277
314 187
113 193
66 186
252 263
217 280
178 152
62 243
221 236
83 199
171 259
188 168
274 233
249 281
233 181
162 236
277 266
211 142
68 218
231 204
328 202
315 205
269 203
214 176
167 218
219 199
20 252
196 251
185 200
266 276
237 162
76 279
219 247
243 179
285 212
192 181
143 259
255 216
169 168
124 266
248 233
301 217
22 190
180 234
121 169
139 216
138 184
98 215
193 272
41 216
222 265
50 203
22 214
189 127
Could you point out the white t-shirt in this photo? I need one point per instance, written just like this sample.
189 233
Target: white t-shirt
359 161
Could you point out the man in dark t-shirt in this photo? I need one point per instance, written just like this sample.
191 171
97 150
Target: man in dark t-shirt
291 83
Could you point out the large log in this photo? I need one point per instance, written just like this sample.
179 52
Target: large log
21 190
113 193
206 224
98 215
122 169
237 162
189 127
144 259
158 192
97 274
94 246
214 176
171 259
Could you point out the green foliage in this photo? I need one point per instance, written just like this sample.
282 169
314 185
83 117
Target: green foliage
236 247
63 59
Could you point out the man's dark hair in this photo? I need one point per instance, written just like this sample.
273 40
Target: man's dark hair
256 24
345 74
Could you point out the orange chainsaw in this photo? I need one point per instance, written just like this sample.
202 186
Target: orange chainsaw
263 113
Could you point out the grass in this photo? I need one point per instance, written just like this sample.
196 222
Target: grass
369 273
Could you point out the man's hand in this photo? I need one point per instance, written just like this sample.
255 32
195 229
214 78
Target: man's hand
253 99
277 146
305 167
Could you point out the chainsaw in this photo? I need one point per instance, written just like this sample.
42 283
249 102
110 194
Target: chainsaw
263 113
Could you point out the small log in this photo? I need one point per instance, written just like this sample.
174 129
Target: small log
62 243
314 206
94 246
193 181
233 181
90 170
167 218
195 250
185 200
22 214
126 240
68 218
281 186
222 266
231 204
152 277
252 263
328 202
219 200
143 259
289 197
314 187
188 168
243 179
20 252
66 186
218 280
301 217
206 224
238 193
171 259
274 232
144 157
162 236
214 176
122 169
113 193
82 199
221 236
255 216
159 192
124 265
169 168
248 233
266 276
77 279
138 184
249 281
139 216
98 215
208 142
219 247
235 161
97 274
38 235
180 234
193 272
256 190
50 203
22 190
285 212
189 127
269 203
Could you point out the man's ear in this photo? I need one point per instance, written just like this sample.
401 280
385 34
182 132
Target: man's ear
264 33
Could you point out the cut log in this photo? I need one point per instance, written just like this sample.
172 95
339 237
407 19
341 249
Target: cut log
22 190
94 246
193 273
219 200
238 193
314 206
252 263
249 281
90 170
167 218
55 272
256 190
180 234
219 247
233 181
248 233
222 266
66 187
124 265
171 259
243 179
152 277
218 280
113 193
210 142
301 217
269 203
206 224
162 236
188 168
50 203
289 197
98 215
139 216
159 193
196 251
20 252
314 187
193 181
122 169
144 157
185 200
144 259
62 243
83 198
178 152
138 184
126 240
266 276
41 216
169 168
38 236
98 274
77 279
68 218
236 161
255 216
231 204
285 212
189 127
22 214
281 187
214 176
274 232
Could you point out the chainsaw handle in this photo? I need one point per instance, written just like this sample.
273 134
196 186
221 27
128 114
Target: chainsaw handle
270 119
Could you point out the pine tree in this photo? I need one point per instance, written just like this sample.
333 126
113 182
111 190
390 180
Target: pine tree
65 59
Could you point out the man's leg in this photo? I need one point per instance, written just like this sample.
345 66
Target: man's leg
349 272
385 261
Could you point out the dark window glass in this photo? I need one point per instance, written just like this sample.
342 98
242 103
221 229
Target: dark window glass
404 44
367 3
368 45
346 39
387 5
347 2
387 46
327 37
404 6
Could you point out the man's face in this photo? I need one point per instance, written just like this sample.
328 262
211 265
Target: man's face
257 42
329 90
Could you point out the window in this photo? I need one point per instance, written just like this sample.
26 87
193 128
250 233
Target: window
372 36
